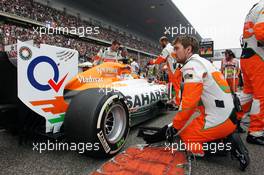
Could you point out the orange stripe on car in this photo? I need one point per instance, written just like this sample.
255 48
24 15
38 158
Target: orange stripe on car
104 74
59 105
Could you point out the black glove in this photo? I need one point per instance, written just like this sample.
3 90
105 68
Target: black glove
237 103
153 135
170 134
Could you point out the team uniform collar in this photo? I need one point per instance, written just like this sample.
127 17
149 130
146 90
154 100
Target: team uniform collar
191 57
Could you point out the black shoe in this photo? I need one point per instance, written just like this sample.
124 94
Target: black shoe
239 128
239 151
255 140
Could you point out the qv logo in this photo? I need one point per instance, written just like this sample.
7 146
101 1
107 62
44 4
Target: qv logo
53 83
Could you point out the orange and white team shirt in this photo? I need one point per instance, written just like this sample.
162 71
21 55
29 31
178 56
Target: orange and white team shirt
204 84
253 34
167 55
107 55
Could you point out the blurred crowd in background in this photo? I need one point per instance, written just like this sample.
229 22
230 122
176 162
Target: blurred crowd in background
41 13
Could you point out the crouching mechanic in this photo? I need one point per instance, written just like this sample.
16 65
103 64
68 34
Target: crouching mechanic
206 111
203 84
168 56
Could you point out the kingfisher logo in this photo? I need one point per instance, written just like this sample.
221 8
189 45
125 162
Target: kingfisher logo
25 53
53 83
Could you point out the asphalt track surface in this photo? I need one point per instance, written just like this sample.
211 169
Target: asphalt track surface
17 159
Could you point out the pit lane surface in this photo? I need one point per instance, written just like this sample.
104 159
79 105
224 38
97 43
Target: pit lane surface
15 159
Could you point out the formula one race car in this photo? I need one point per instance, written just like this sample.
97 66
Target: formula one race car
97 106
105 101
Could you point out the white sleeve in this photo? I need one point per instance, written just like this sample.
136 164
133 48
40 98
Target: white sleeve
165 53
193 72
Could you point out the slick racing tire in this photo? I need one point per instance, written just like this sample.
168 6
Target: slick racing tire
99 120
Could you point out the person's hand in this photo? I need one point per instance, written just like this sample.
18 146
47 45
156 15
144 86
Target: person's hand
170 134
151 62
162 134
158 136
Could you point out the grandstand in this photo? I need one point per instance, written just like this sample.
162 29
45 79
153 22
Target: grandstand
136 24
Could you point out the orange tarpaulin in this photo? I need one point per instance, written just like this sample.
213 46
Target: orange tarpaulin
146 161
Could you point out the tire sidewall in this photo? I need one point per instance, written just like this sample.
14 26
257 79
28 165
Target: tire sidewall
105 146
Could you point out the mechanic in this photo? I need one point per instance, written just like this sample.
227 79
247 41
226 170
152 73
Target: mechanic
252 66
207 112
109 54
202 84
167 55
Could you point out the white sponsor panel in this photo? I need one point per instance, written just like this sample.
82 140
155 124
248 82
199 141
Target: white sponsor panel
42 75
149 93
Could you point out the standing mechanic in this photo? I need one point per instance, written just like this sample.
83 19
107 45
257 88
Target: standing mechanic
168 56
252 66
109 54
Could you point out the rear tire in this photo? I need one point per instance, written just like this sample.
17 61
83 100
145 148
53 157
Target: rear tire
98 120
